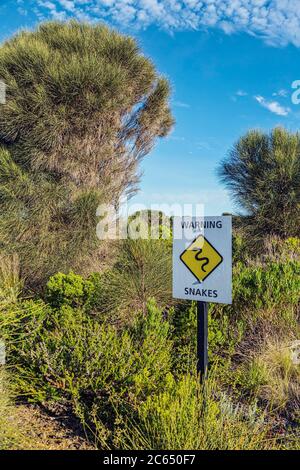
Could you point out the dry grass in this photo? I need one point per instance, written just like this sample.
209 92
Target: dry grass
10 434
10 283
282 375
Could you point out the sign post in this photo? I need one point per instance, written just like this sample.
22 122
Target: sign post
202 339
202 270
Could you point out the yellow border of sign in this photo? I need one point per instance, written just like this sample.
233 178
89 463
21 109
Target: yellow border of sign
205 239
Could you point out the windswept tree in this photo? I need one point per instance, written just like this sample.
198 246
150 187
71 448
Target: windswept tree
83 107
262 172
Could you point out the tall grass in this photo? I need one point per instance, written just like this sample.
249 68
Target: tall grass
10 282
186 416
10 435
142 271
272 376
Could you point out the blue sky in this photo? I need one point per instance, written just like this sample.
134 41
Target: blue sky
231 65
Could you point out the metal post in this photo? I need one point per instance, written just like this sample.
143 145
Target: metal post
202 343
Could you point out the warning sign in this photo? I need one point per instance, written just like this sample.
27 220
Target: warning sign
202 259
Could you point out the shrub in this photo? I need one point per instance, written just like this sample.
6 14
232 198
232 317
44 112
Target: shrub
129 379
10 282
278 250
262 172
83 107
272 376
273 284
11 437
142 270
185 417
222 337
240 247
265 299
67 354
68 289
184 322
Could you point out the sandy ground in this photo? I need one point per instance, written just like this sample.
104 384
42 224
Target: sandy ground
43 430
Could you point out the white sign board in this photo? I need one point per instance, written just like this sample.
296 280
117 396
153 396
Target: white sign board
202 259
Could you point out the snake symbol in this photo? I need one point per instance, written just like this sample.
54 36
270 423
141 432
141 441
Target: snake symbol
197 257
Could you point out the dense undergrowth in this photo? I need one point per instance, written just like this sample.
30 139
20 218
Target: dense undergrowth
11 437
126 363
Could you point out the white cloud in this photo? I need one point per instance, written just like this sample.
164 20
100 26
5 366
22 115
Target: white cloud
69 5
241 93
180 104
272 106
238 94
277 22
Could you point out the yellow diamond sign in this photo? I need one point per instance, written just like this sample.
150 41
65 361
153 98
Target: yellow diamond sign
201 258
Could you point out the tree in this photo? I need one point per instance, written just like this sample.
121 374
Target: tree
262 172
83 107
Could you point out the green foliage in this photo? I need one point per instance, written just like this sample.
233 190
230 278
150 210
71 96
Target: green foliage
250 377
224 334
273 284
65 353
10 283
10 434
68 289
278 250
272 375
263 174
292 244
142 271
184 322
150 224
240 249
84 106
273 287
185 417
128 380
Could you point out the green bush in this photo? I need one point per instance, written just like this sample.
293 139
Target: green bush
250 377
143 270
68 289
184 323
271 375
240 248
262 173
127 380
224 333
65 353
184 416
11 437
83 104
273 284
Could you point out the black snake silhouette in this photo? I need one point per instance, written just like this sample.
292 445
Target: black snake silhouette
199 251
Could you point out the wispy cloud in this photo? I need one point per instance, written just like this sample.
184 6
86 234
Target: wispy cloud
177 138
272 106
241 93
181 104
69 5
277 22
238 94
